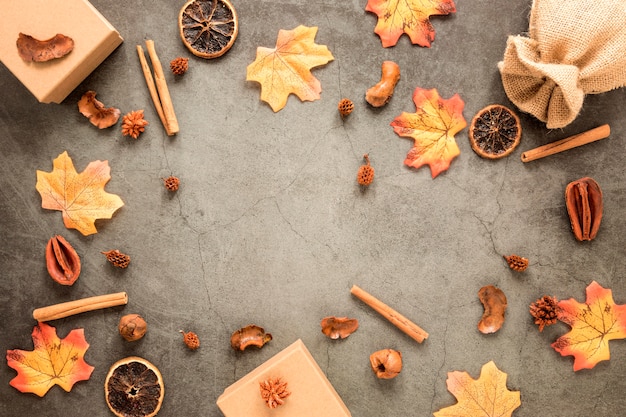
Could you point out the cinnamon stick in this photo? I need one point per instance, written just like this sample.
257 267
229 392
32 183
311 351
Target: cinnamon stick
571 142
164 93
147 73
397 319
59 311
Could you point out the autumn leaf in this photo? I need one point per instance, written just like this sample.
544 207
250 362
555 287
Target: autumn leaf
396 17
52 362
593 323
433 127
487 396
80 197
285 69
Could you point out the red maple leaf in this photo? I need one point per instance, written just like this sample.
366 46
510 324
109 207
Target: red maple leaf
52 362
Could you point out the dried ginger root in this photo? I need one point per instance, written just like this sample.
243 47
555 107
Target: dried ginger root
381 93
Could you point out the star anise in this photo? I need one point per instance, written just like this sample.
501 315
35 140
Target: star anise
133 124
273 392
545 311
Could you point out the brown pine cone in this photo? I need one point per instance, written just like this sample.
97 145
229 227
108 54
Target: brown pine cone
365 176
133 124
345 107
172 183
117 258
516 263
191 340
179 65
545 311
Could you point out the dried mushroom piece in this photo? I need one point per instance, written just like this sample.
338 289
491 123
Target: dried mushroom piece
338 327
251 335
96 112
34 50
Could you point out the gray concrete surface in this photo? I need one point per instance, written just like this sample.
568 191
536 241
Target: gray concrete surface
270 227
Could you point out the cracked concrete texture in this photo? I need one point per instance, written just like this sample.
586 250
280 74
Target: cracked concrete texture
270 227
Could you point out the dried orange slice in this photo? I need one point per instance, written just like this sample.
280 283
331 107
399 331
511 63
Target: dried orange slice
134 388
208 28
495 132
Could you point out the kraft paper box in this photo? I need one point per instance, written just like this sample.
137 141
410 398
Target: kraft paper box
52 81
312 395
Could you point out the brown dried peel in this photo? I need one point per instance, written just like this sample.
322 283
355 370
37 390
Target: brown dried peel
96 112
251 335
494 301
34 50
338 327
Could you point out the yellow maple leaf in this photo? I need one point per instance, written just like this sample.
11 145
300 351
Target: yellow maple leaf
432 127
396 17
593 323
80 197
52 362
285 69
486 396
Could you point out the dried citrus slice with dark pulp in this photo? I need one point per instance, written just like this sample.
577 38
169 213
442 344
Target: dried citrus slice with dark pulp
208 28
495 132
134 388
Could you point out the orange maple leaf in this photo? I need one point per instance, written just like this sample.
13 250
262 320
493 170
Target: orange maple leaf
433 127
486 396
396 17
80 197
593 323
52 362
285 69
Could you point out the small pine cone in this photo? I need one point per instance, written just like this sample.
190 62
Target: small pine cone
133 124
516 263
345 107
117 258
365 176
179 65
172 183
191 340
545 311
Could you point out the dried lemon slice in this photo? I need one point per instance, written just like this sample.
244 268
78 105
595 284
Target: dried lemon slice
134 388
495 132
208 28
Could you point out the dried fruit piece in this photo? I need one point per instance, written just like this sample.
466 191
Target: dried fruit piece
494 302
386 363
95 111
54 361
338 327
171 183
80 197
117 258
516 263
381 93
208 28
132 327
486 396
286 68
179 66
545 311
191 340
31 49
134 388
133 124
365 176
345 107
251 335
432 127
583 199
62 261
274 392
495 132
396 17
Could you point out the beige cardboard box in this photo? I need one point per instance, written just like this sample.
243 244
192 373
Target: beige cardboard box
312 395
52 81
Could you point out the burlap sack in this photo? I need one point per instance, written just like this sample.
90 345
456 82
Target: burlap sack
574 48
